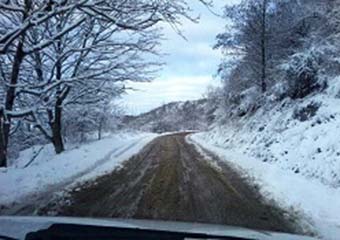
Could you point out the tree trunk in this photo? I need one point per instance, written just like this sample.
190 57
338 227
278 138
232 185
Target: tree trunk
100 129
57 138
263 47
99 134
5 121
3 149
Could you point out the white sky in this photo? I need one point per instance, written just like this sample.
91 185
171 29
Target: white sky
190 65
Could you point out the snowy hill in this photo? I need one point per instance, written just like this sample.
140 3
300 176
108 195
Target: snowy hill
175 116
291 148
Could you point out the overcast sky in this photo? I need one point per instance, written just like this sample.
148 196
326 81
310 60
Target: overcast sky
190 65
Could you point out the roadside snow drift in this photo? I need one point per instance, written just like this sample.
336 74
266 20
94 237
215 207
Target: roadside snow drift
51 171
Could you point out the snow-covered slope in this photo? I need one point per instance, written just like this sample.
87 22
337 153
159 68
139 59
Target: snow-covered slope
50 171
293 149
175 116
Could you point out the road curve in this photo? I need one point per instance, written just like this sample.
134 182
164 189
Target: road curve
170 180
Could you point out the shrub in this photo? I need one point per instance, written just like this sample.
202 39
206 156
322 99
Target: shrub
302 74
307 112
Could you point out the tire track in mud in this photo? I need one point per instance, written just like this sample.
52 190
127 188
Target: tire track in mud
170 180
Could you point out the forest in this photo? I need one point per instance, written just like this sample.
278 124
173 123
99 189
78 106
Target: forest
62 63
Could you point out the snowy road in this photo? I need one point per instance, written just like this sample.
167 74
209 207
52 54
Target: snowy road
170 180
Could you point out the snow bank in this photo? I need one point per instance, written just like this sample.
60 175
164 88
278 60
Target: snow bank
293 150
49 170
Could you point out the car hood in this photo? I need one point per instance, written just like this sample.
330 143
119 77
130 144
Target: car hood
18 227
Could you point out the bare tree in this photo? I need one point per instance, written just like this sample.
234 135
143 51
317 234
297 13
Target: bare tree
248 37
277 48
79 40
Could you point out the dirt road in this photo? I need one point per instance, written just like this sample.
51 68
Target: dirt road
170 180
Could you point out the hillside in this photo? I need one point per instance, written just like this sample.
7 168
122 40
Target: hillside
175 116
290 148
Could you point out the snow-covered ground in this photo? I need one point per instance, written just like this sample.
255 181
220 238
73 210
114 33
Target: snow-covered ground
77 164
292 152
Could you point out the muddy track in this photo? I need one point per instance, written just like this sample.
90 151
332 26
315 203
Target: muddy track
170 180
